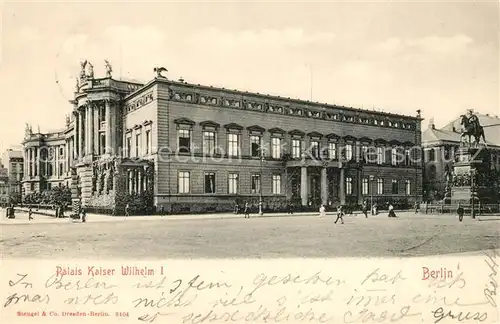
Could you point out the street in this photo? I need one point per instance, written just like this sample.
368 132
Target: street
155 237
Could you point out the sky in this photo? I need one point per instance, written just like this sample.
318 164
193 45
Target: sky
440 57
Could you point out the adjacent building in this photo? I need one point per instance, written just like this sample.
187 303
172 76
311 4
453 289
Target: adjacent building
4 186
440 145
12 161
186 147
46 159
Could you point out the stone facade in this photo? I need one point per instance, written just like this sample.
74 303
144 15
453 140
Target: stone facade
441 147
182 147
13 162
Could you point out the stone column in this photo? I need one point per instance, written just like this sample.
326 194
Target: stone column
95 110
90 123
37 159
30 158
342 186
86 130
66 156
130 181
139 181
360 187
303 185
80 134
25 160
324 186
109 124
55 161
357 151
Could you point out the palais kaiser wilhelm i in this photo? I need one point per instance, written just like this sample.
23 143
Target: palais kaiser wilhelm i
181 147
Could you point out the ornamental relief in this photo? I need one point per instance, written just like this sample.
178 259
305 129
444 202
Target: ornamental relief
275 109
139 102
292 111
207 100
182 96
227 102
254 106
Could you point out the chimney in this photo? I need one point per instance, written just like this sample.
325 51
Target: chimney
431 124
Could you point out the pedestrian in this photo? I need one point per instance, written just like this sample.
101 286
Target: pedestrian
290 208
84 215
417 207
364 208
322 211
30 214
236 209
391 211
162 210
340 215
127 207
460 212
247 210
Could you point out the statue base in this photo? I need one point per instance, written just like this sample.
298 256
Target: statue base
470 179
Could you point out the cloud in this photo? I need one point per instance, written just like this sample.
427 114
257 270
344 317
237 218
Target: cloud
425 45
28 35
258 39
443 45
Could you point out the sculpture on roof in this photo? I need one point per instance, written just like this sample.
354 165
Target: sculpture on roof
471 127
28 131
109 68
90 70
77 84
68 120
83 75
159 70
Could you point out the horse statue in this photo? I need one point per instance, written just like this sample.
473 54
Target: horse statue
471 127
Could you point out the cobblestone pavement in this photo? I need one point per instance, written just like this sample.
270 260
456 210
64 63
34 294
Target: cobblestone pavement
266 237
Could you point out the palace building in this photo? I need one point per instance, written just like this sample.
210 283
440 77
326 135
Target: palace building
183 147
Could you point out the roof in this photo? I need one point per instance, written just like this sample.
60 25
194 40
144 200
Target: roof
272 97
13 153
451 132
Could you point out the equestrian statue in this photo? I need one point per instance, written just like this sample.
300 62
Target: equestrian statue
471 127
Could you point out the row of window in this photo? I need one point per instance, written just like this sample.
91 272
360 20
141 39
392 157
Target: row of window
233 185
366 188
140 148
298 148
184 184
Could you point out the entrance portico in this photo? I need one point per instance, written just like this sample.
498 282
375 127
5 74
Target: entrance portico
319 181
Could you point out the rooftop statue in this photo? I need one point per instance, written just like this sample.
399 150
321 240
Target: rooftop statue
28 131
109 68
83 75
77 85
90 70
159 70
471 127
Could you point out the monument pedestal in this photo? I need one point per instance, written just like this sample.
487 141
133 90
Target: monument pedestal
470 178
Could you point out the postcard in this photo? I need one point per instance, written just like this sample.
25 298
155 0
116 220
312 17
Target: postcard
250 162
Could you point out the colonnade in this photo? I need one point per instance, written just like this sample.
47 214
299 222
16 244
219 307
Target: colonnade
88 128
137 180
305 190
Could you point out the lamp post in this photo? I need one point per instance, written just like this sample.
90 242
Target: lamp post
371 193
260 185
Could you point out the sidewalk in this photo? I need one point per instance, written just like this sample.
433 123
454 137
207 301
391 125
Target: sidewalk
22 217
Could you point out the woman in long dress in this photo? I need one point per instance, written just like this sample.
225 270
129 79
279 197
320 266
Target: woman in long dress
322 211
391 211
